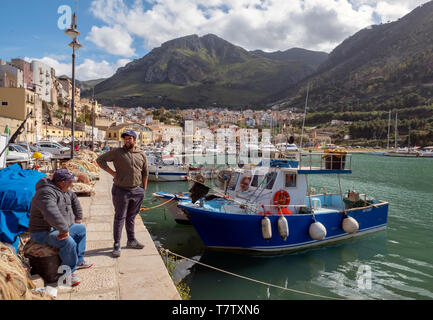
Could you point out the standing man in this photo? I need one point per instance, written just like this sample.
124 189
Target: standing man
131 170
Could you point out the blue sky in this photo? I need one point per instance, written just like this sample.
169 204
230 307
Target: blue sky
114 32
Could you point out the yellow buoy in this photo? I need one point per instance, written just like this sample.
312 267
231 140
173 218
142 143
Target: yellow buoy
37 155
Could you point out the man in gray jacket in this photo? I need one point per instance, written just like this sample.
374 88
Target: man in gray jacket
55 219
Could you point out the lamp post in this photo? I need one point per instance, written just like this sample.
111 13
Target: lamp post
75 45
93 116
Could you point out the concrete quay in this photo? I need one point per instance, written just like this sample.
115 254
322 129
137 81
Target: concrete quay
135 275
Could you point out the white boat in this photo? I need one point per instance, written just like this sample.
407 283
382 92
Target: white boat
426 152
167 169
404 152
287 147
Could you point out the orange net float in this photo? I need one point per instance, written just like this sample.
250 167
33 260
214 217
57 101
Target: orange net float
264 212
282 198
285 211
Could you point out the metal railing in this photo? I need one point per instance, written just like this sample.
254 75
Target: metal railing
325 161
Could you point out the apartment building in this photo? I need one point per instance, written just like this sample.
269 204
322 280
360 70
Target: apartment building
16 104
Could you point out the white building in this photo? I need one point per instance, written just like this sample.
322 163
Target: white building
42 76
11 77
101 135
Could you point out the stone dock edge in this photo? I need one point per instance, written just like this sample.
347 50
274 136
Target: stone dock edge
135 275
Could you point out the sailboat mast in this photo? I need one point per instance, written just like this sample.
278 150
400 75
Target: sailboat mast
305 115
389 126
395 143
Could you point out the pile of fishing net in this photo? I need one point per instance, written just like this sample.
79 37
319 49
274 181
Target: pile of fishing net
79 187
87 155
84 170
15 283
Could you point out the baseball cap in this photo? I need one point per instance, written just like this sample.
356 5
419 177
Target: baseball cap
129 133
63 175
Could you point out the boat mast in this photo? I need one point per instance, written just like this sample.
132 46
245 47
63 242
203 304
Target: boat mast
395 143
408 139
389 126
305 114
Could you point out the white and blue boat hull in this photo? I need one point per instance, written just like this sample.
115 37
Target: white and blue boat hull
221 230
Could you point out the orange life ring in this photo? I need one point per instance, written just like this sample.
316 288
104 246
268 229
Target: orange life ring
282 198
245 183
285 211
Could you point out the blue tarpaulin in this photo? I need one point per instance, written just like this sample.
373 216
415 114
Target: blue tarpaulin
17 188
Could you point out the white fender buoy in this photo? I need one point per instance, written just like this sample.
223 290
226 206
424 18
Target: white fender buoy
350 225
266 228
283 227
317 231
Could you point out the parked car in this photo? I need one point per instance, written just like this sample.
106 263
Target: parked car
46 156
55 148
17 153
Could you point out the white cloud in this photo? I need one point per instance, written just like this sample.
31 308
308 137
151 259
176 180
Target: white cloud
61 68
88 70
252 24
115 40
122 63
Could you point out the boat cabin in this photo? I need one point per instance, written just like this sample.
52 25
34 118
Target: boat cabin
276 185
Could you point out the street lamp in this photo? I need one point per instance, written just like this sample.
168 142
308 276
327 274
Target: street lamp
75 45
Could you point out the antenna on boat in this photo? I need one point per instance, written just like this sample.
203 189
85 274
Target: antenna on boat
305 114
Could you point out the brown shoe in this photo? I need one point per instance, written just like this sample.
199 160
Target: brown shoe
134 244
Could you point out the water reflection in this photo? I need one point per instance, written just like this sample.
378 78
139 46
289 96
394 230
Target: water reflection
310 270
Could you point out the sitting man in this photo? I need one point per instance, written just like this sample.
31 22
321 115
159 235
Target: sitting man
55 219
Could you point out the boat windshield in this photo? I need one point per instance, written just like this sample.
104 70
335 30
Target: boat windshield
233 181
265 181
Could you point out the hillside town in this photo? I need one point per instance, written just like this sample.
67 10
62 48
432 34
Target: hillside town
33 86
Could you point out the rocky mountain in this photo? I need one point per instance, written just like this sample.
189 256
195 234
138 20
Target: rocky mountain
381 67
89 84
312 58
200 71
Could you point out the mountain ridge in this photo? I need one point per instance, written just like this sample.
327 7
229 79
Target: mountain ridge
205 70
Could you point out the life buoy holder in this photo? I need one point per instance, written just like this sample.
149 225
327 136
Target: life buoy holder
282 198
245 183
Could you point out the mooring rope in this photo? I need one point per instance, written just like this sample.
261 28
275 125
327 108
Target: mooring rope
157 206
166 251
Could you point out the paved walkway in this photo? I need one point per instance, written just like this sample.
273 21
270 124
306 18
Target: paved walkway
136 275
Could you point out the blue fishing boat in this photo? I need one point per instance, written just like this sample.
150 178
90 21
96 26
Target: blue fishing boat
278 211
227 182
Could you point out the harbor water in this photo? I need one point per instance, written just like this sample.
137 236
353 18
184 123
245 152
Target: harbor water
393 264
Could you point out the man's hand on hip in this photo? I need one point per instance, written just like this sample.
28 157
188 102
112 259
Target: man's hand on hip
62 236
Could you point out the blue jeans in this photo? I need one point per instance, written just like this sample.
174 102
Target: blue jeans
71 250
